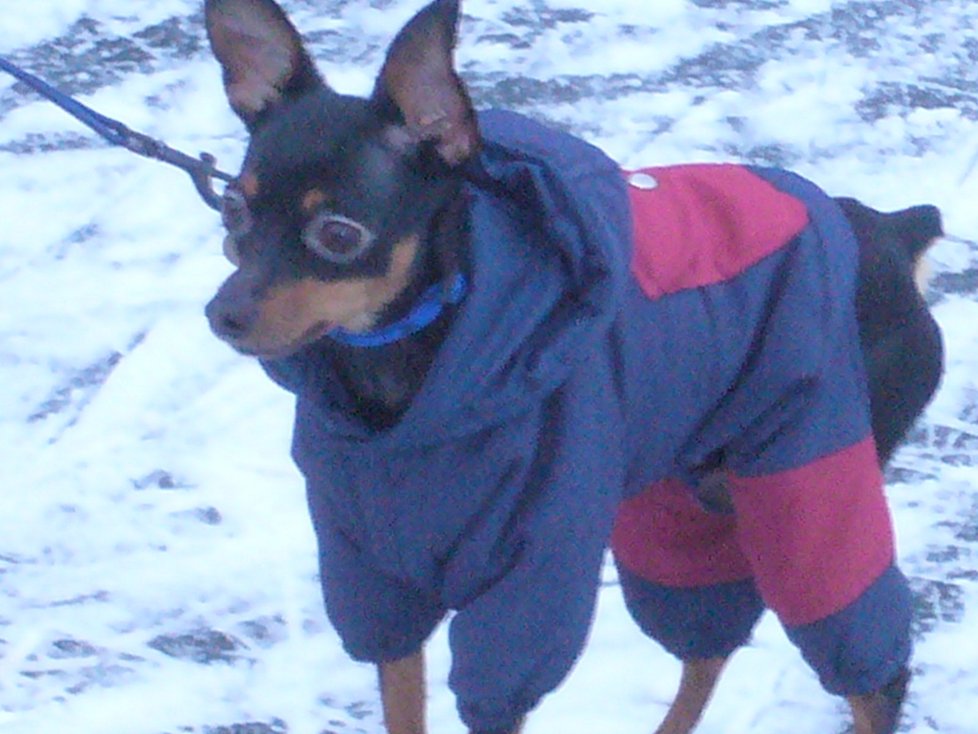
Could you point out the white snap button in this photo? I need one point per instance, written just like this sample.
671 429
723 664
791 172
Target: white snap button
642 181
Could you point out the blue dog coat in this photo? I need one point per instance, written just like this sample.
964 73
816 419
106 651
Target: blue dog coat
587 366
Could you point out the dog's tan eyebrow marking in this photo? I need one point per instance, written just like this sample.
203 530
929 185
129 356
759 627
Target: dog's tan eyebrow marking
312 200
248 182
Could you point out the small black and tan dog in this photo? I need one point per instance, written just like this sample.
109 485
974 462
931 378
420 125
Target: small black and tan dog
495 337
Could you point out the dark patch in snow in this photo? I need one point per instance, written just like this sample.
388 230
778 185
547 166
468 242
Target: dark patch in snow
204 646
87 57
264 631
84 59
337 47
358 710
740 4
98 596
204 515
935 601
175 36
907 475
84 381
965 575
521 93
966 527
158 479
769 154
538 17
78 666
81 387
277 726
894 98
37 143
68 648
962 282
953 441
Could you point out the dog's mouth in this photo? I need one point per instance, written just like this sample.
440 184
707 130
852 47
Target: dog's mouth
280 351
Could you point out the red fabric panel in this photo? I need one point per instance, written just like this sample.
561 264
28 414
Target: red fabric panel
816 536
663 535
705 223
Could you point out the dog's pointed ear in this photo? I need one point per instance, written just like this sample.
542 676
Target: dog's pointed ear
261 53
419 79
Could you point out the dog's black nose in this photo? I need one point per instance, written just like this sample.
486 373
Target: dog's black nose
231 322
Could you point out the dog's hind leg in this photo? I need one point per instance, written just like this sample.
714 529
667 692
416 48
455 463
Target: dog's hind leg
699 678
904 358
879 712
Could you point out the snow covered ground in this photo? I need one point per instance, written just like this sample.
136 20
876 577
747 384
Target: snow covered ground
157 571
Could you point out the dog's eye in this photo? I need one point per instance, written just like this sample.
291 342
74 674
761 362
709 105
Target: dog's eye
234 212
336 238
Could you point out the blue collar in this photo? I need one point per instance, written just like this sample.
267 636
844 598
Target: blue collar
425 311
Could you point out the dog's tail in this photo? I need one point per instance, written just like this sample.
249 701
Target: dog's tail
917 228
914 229
900 339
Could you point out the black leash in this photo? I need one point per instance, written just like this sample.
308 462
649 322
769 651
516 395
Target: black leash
201 170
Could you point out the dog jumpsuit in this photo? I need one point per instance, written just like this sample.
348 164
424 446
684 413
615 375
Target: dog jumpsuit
585 366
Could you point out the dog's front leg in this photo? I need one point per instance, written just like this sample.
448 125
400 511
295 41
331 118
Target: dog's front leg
402 693
699 678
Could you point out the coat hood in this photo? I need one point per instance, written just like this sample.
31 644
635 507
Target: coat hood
547 266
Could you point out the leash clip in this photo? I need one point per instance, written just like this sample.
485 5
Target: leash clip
202 170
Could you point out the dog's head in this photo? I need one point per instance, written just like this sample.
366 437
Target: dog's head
328 218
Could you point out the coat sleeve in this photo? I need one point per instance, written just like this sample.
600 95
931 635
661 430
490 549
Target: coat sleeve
812 517
517 641
378 618
820 543
516 638
862 647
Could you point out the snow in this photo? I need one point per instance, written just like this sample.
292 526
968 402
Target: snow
157 565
